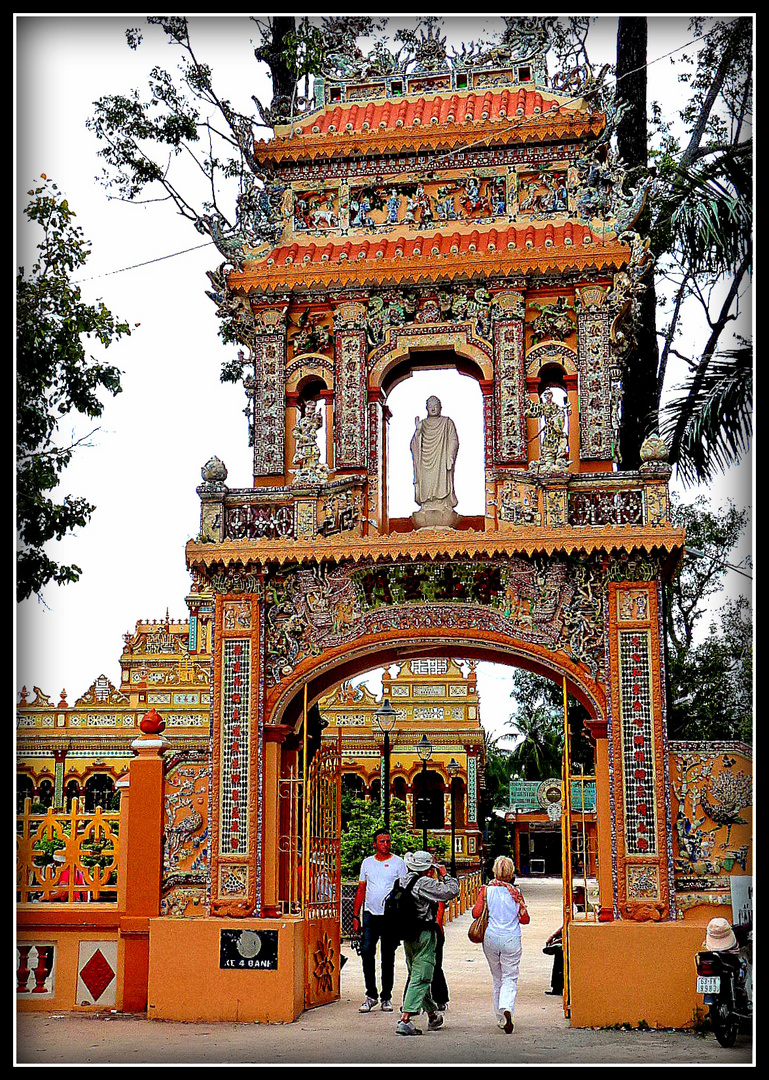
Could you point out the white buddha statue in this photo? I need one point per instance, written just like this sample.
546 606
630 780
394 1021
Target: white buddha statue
434 448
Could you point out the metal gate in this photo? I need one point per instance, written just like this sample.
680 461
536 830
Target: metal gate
321 870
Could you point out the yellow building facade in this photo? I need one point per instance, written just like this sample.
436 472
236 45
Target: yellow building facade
435 699
82 750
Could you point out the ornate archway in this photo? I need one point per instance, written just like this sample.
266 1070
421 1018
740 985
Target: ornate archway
521 263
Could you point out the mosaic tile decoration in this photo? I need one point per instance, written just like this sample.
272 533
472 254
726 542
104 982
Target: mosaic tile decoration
637 743
269 404
235 736
472 789
350 382
595 386
510 391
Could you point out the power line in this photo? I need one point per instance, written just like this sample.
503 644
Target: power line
148 262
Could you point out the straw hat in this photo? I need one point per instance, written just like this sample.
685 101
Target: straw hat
418 861
719 936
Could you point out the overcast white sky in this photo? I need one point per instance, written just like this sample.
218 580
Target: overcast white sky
149 266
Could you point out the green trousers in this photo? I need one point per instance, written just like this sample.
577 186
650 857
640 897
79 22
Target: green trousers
420 961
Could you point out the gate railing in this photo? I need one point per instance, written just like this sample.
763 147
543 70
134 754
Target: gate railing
321 866
310 818
67 856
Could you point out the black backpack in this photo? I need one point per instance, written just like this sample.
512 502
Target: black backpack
400 912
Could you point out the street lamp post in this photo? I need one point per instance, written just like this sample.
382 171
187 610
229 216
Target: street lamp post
385 718
453 768
424 749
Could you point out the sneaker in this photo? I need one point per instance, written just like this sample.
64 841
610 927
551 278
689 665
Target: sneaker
405 1027
368 1004
386 1005
435 1022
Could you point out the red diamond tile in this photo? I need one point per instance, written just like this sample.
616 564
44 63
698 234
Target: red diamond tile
97 974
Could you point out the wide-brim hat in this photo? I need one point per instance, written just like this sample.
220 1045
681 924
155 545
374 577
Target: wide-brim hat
719 935
418 861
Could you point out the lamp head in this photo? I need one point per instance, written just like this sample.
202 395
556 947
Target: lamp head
385 716
424 748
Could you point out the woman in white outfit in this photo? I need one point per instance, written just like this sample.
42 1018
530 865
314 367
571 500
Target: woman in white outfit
502 940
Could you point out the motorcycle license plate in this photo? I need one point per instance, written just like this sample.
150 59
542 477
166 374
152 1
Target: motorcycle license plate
708 984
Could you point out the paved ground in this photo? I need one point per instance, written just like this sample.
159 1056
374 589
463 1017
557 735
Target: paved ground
338 1034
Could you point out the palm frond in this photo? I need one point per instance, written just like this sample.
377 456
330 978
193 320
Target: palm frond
718 406
710 222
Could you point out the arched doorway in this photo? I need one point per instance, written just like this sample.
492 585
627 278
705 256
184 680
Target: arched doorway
99 789
428 800
25 789
45 793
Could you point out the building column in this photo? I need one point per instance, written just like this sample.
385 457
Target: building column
603 820
638 757
141 863
237 739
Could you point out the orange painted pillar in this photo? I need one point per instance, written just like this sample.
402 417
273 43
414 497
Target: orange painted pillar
141 865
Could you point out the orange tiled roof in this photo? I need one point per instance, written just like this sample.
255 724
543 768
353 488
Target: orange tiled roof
449 242
440 254
412 111
509 115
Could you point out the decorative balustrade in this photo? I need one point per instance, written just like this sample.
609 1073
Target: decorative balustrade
605 508
259 522
521 498
280 513
67 856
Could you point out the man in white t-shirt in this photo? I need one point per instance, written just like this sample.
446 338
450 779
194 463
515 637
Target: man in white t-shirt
378 874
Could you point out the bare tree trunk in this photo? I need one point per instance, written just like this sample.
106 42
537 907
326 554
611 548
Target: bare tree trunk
641 400
271 52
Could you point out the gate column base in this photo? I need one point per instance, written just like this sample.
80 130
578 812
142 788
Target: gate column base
626 972
188 982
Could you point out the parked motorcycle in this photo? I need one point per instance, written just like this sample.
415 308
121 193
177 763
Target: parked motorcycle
724 976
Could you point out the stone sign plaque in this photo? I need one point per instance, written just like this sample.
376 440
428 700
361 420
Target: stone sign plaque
242 950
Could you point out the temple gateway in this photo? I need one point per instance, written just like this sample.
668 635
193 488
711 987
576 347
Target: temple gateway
444 215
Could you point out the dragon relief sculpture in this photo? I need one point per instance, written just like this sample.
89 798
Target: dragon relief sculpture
524 39
259 223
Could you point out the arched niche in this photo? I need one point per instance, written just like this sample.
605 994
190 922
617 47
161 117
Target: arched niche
553 366
459 389
551 354
307 367
310 378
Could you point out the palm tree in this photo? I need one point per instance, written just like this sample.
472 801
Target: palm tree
699 220
538 723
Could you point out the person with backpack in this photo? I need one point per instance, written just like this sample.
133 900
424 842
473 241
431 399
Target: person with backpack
378 874
424 886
